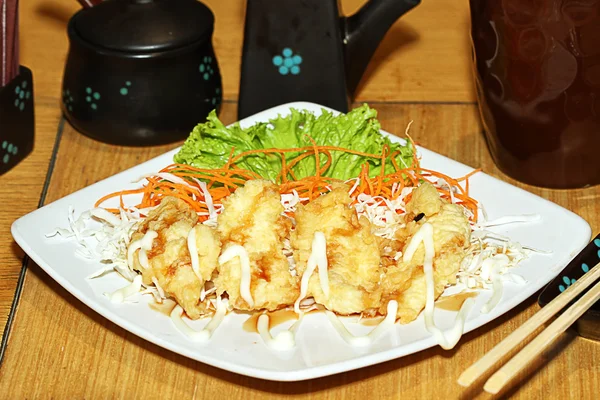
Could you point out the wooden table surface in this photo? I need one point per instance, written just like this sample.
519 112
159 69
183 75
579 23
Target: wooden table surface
55 347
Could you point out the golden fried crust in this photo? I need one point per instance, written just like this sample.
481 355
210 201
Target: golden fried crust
364 271
169 211
252 217
169 259
405 282
425 199
352 253
208 246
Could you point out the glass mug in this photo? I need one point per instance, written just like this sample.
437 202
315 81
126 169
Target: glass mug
537 71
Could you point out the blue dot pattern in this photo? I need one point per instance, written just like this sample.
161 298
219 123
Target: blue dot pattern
287 63
566 281
92 98
216 99
68 100
21 96
206 67
9 150
124 91
585 268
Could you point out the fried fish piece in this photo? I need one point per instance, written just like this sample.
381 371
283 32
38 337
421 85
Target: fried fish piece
169 259
425 199
405 281
252 218
353 255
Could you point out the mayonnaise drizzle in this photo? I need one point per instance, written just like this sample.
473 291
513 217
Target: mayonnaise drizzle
365 340
284 340
143 243
490 269
425 235
119 295
239 251
206 333
191 243
318 257
143 258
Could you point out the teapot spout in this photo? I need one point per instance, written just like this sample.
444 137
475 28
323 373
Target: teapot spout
363 31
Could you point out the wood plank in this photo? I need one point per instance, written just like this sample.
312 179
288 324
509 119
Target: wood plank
20 190
61 349
424 57
41 41
44 43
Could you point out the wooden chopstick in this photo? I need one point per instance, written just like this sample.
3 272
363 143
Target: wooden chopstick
9 41
486 362
548 335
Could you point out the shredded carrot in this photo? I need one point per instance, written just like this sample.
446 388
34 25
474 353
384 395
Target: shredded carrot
120 194
222 182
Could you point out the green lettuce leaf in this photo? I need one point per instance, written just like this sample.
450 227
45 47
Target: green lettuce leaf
210 143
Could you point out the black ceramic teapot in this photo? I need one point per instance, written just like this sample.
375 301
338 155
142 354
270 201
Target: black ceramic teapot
303 50
141 72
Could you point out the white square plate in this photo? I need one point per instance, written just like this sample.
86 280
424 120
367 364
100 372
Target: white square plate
320 350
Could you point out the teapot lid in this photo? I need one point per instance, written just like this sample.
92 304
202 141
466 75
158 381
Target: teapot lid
144 25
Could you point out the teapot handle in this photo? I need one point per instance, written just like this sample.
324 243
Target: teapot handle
364 31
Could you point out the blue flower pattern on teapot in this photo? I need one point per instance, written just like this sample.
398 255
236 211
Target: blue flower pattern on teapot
287 62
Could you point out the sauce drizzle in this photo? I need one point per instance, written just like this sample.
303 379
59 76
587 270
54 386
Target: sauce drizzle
455 301
365 340
164 308
275 318
284 340
206 333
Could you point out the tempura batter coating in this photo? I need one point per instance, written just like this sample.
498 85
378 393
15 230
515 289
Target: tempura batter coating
352 253
252 217
365 271
405 282
169 259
